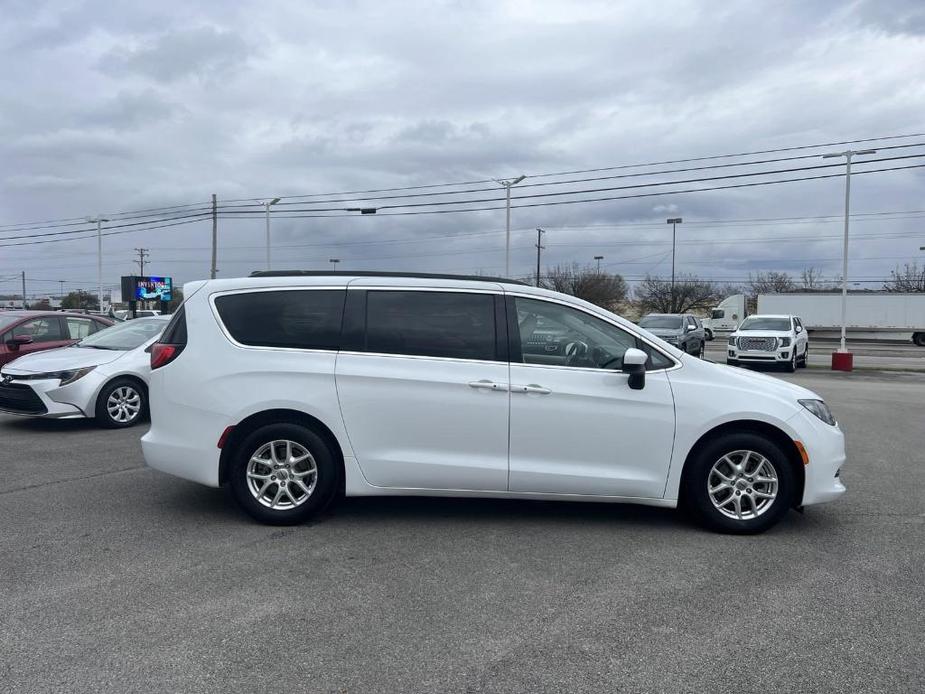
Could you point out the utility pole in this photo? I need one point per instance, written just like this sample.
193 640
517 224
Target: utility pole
539 248
142 258
674 221
213 270
598 258
24 290
61 283
99 255
847 154
508 184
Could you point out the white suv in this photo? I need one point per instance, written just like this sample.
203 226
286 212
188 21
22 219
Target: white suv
293 388
769 340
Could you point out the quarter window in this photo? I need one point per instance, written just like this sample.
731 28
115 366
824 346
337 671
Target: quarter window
558 335
79 328
454 325
301 319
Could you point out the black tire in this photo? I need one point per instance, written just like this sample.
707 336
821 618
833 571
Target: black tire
791 365
695 497
804 360
132 393
703 348
708 335
326 475
919 339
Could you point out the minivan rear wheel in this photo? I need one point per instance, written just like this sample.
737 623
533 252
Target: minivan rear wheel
283 474
740 483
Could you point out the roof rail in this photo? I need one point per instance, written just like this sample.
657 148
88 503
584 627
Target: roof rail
371 273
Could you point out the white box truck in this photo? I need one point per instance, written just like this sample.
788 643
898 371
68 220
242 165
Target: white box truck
870 315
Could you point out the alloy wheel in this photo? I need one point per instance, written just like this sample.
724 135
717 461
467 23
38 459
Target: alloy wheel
123 404
282 475
742 485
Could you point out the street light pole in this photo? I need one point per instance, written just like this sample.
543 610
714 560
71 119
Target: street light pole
674 221
508 184
848 155
598 258
334 262
99 219
267 205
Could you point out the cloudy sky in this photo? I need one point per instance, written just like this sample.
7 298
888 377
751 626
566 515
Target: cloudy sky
110 107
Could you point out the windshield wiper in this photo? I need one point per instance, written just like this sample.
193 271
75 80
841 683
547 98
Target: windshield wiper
98 347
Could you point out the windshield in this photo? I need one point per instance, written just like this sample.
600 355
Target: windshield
125 336
672 322
761 323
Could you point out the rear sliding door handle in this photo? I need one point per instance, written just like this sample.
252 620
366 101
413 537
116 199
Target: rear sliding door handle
487 385
531 388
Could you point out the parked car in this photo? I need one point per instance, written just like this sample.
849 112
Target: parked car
103 376
293 388
682 330
769 340
25 332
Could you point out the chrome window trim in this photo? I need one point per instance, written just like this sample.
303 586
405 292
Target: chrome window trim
676 362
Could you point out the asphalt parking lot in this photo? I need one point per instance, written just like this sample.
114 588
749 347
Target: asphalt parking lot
117 578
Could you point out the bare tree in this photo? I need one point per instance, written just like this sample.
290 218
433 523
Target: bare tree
909 278
586 282
770 283
656 296
812 279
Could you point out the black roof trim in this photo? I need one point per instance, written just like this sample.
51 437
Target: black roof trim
369 273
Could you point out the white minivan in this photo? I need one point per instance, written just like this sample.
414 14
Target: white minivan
294 388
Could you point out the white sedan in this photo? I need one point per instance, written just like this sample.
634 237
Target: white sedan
104 377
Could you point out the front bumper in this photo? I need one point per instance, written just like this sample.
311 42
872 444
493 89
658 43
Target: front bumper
825 446
778 356
48 399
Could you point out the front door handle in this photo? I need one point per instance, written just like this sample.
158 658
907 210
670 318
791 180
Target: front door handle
487 385
531 388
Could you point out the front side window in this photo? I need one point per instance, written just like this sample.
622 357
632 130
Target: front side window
300 319
717 314
41 330
558 335
454 325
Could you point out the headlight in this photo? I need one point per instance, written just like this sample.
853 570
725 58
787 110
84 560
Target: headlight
820 409
784 341
732 342
66 377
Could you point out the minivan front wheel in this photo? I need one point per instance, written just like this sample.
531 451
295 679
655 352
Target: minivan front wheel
741 483
283 474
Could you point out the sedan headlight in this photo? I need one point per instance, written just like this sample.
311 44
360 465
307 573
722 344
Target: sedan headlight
820 409
66 377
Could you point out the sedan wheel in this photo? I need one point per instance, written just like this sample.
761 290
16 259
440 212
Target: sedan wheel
121 403
742 485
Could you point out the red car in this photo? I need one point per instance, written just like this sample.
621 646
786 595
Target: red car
24 332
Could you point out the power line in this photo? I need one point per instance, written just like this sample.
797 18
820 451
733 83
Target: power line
79 220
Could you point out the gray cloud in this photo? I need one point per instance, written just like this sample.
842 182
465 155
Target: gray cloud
114 107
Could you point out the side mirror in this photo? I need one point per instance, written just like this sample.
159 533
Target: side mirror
634 364
688 328
19 340
799 329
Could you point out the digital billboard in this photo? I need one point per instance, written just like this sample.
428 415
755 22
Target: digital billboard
136 288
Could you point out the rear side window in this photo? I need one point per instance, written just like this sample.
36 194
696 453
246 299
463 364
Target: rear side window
175 332
454 325
300 319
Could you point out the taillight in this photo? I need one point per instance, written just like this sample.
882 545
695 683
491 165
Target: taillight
162 354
